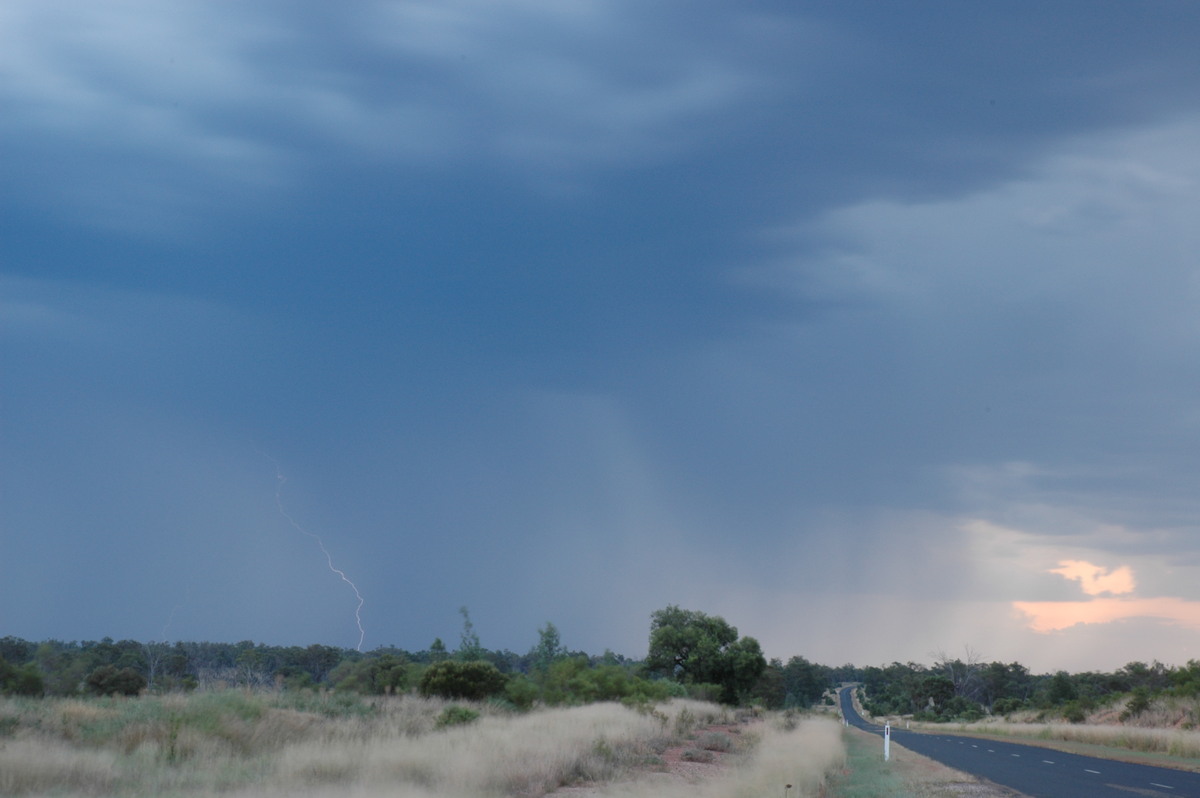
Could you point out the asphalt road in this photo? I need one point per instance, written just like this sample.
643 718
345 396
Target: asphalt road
1037 772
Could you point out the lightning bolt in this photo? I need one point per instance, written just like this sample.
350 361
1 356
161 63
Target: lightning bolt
280 481
170 619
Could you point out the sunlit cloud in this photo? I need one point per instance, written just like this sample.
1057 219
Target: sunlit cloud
1053 616
1096 580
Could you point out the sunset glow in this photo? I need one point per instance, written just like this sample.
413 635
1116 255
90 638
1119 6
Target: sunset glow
1096 580
1052 616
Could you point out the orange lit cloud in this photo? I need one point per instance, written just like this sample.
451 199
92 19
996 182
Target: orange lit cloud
1051 616
1096 580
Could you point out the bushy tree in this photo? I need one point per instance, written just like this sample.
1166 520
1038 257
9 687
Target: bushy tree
437 650
769 690
373 675
109 680
548 650
692 647
521 691
1059 690
20 679
804 683
473 681
576 681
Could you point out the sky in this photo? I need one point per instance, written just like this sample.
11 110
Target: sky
870 327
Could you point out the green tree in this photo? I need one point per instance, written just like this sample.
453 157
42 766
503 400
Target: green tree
1061 689
770 689
437 650
933 693
469 648
20 679
373 675
318 660
1139 702
804 683
110 680
694 648
549 648
472 681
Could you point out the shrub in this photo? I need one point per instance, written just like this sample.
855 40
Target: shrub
1005 706
710 693
471 681
697 755
575 681
455 715
716 741
1073 712
1139 702
372 676
23 680
521 692
107 680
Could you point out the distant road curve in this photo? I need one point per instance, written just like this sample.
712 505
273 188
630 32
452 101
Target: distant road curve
1036 772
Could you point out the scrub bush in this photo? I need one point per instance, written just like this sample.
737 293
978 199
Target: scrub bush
470 681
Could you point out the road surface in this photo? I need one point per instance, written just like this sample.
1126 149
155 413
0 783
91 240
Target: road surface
1037 772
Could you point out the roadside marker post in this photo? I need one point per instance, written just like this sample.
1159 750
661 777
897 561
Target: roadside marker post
887 742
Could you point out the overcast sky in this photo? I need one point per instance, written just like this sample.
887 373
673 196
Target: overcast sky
871 327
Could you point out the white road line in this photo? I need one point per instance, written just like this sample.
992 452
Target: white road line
1047 761
1089 770
1164 786
1018 756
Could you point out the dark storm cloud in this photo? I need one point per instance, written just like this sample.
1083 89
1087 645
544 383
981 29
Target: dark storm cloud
611 294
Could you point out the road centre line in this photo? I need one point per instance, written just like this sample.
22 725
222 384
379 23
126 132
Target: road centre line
1164 786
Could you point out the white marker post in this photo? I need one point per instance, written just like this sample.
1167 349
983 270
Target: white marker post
887 741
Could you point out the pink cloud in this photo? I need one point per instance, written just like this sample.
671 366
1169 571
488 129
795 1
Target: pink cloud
1051 616
1096 580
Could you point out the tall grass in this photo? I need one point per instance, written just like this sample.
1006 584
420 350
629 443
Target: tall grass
1169 726
238 743
802 756
1172 742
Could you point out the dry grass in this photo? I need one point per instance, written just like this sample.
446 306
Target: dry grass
1167 728
241 744
34 766
1171 742
803 756
526 755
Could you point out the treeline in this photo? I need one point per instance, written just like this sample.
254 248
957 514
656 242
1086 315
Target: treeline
690 654
954 689
106 666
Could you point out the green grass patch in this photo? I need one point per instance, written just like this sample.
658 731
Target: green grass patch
866 775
